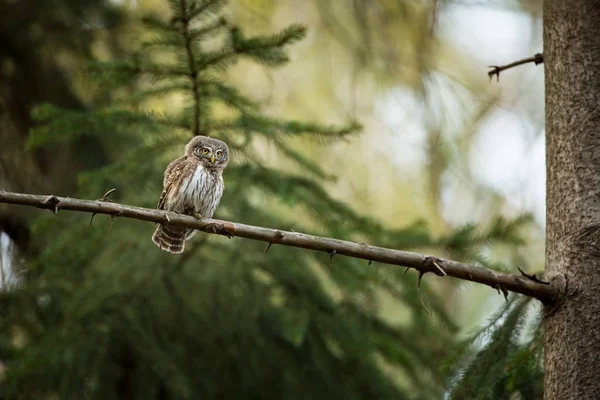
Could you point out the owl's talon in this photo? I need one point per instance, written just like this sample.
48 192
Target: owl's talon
197 215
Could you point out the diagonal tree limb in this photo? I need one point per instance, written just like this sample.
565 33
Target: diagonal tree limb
496 69
420 262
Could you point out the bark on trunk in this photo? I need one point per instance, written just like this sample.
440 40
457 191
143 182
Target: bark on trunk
572 73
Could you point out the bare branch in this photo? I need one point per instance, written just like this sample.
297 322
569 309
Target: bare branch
537 59
420 262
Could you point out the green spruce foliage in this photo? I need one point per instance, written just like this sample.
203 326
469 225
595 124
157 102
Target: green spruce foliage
102 313
504 359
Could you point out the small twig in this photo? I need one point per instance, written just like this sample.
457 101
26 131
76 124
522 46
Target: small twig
421 273
496 69
432 264
533 277
278 236
51 203
105 196
502 289
105 199
113 216
331 254
435 264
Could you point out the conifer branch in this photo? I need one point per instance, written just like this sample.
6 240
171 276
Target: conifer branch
193 72
420 262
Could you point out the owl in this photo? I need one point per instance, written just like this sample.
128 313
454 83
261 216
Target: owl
192 185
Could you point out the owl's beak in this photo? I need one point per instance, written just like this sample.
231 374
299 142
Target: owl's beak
212 159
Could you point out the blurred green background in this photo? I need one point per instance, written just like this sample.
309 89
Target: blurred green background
376 124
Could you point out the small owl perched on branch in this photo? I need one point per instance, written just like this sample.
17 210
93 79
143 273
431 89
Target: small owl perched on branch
192 185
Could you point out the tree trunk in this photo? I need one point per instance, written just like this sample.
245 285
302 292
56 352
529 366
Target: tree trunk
572 73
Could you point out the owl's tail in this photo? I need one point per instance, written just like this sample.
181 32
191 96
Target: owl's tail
170 238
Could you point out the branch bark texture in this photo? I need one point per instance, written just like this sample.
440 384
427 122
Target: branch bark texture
501 281
572 74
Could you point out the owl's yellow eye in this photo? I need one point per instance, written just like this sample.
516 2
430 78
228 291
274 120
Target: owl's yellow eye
219 153
205 151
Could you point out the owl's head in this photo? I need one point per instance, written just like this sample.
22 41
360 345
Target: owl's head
213 153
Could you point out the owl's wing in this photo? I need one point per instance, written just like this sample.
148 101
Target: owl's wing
172 179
